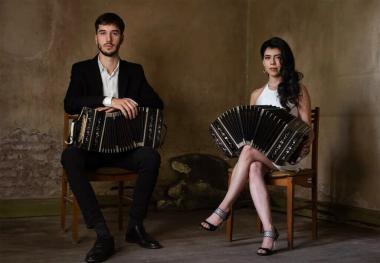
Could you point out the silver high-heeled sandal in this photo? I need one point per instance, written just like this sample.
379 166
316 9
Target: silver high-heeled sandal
210 227
273 234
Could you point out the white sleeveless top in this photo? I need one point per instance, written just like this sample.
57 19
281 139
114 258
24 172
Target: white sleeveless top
270 97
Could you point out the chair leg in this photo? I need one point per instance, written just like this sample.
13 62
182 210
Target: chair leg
314 211
75 221
289 212
121 193
63 201
230 225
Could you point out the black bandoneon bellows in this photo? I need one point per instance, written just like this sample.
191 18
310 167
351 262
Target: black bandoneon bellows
271 130
113 133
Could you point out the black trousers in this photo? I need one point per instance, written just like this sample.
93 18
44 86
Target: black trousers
144 160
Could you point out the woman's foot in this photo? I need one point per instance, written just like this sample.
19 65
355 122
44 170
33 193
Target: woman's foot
269 240
215 219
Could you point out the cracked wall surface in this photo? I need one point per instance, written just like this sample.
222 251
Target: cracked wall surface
29 164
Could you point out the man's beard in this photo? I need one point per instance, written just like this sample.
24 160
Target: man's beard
109 54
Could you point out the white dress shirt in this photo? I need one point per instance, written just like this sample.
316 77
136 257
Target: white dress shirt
110 83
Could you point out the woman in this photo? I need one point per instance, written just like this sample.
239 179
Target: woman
284 90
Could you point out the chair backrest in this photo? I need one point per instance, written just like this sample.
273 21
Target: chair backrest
315 127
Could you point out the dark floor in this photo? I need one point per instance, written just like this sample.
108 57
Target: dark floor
40 240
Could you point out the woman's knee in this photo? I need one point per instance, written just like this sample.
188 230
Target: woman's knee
246 154
250 154
256 169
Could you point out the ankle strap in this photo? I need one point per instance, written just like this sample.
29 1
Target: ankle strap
273 234
221 213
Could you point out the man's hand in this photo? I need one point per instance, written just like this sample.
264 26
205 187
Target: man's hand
106 109
127 106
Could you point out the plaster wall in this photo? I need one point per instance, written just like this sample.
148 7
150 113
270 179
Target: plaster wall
201 57
336 44
193 53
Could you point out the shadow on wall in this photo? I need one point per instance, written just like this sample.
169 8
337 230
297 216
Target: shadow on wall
349 165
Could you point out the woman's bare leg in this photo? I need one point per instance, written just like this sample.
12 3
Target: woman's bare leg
238 180
260 198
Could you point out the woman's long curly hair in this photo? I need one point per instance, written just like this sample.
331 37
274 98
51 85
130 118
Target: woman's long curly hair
289 89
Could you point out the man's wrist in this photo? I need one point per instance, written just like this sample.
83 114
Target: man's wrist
107 101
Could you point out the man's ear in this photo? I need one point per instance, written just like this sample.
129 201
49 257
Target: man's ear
96 40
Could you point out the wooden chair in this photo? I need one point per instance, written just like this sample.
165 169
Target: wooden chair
305 177
104 174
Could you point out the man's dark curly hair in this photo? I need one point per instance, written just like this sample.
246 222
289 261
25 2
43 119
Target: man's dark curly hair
110 19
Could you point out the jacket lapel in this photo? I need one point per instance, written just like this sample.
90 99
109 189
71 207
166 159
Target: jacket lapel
97 77
123 79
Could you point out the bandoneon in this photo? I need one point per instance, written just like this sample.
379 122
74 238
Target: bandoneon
271 130
111 132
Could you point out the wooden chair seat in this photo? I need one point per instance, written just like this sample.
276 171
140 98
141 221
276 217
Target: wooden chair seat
279 174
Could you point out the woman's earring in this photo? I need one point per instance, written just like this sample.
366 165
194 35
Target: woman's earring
264 71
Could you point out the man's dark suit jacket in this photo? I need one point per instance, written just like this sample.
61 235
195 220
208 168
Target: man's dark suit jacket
86 87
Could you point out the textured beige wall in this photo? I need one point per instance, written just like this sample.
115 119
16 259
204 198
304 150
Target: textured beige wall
193 53
337 47
199 55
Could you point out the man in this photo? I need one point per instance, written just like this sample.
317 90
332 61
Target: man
108 83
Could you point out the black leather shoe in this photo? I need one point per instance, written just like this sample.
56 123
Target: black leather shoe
101 251
138 235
